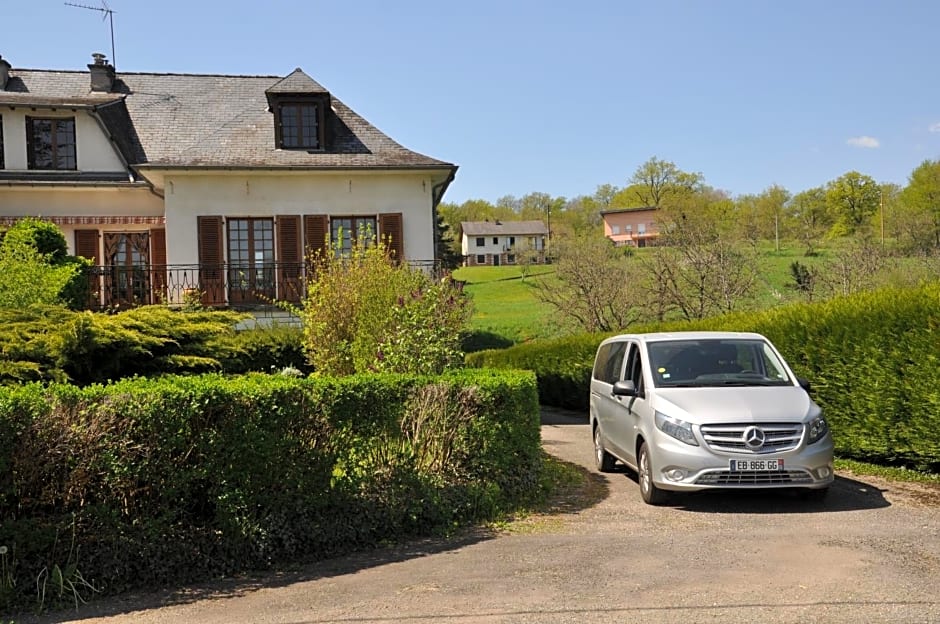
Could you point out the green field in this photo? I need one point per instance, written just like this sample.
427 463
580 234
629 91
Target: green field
506 309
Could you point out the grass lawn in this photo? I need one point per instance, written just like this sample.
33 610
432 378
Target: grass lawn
506 308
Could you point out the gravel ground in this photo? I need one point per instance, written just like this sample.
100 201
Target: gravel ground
869 553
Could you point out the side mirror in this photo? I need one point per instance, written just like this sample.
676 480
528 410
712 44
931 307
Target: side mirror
624 388
804 383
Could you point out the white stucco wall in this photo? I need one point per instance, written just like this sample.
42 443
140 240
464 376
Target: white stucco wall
189 195
468 244
93 150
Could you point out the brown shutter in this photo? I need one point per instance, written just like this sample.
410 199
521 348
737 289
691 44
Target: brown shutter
315 233
289 258
86 246
390 230
158 265
211 269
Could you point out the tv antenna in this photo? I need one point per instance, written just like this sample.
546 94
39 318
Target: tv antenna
108 15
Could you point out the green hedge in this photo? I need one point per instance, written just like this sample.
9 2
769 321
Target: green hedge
873 359
149 482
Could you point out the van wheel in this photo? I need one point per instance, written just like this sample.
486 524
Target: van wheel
651 494
602 459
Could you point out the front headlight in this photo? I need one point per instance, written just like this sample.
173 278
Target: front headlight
817 429
679 429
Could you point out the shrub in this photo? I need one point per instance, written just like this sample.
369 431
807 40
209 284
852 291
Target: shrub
180 479
365 312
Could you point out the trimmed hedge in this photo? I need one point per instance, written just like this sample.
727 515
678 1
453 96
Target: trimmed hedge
144 483
873 359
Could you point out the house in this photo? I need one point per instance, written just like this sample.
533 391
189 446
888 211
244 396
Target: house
216 186
501 242
630 226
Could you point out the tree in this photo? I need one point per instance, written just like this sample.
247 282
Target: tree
448 250
657 181
810 215
697 271
596 286
853 198
35 267
921 198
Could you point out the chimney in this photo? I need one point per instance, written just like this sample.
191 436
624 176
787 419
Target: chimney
4 73
102 73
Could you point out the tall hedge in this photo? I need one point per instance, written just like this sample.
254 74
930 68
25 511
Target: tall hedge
147 482
873 359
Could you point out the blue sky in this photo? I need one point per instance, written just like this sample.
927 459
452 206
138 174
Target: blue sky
562 96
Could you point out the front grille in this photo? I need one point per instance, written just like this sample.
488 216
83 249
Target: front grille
730 438
730 479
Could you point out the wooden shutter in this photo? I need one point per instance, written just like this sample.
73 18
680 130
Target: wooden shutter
289 258
86 246
390 231
158 265
211 260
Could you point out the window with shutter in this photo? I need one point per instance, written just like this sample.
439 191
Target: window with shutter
86 246
391 231
315 229
211 260
289 258
158 276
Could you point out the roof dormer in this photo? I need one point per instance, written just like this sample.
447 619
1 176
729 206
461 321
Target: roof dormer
300 106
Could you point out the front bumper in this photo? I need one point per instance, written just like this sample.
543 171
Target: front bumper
679 467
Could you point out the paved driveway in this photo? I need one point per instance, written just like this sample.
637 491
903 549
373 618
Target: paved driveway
869 553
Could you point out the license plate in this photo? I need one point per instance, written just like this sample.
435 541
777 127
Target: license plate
756 465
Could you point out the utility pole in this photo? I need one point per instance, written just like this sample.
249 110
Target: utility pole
882 217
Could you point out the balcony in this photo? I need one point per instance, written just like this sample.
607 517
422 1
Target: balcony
238 286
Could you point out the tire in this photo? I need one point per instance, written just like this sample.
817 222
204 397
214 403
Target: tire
651 494
603 460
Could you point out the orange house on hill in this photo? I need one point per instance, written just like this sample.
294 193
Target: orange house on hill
635 227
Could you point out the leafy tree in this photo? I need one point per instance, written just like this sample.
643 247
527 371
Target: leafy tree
35 267
447 249
921 198
854 199
810 215
656 182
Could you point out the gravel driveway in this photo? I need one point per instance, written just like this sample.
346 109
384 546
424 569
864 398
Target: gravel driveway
869 553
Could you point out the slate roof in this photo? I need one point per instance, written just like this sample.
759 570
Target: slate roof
635 209
503 228
195 120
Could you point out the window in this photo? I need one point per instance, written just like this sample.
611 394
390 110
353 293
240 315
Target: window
300 125
609 362
481 259
628 228
127 256
615 230
496 240
251 260
481 242
51 143
346 231
641 229
512 241
511 258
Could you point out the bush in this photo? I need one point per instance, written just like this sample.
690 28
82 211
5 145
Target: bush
365 312
144 483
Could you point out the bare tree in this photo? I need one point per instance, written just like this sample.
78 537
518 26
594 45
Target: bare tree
596 288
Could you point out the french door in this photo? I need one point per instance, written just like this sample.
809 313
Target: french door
251 264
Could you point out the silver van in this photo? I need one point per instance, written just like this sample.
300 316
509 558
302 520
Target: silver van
693 411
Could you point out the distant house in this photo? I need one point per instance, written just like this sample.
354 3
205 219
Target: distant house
216 186
493 243
635 227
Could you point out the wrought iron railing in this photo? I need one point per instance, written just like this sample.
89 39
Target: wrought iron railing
241 286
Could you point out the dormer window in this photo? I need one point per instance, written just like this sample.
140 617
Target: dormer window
300 124
51 143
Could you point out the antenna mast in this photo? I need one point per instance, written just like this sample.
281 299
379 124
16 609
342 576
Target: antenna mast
108 14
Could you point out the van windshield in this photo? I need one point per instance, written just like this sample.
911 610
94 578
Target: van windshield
715 362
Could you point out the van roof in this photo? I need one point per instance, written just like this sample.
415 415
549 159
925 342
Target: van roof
688 335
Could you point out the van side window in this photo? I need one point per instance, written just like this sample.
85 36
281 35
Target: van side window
635 368
610 362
